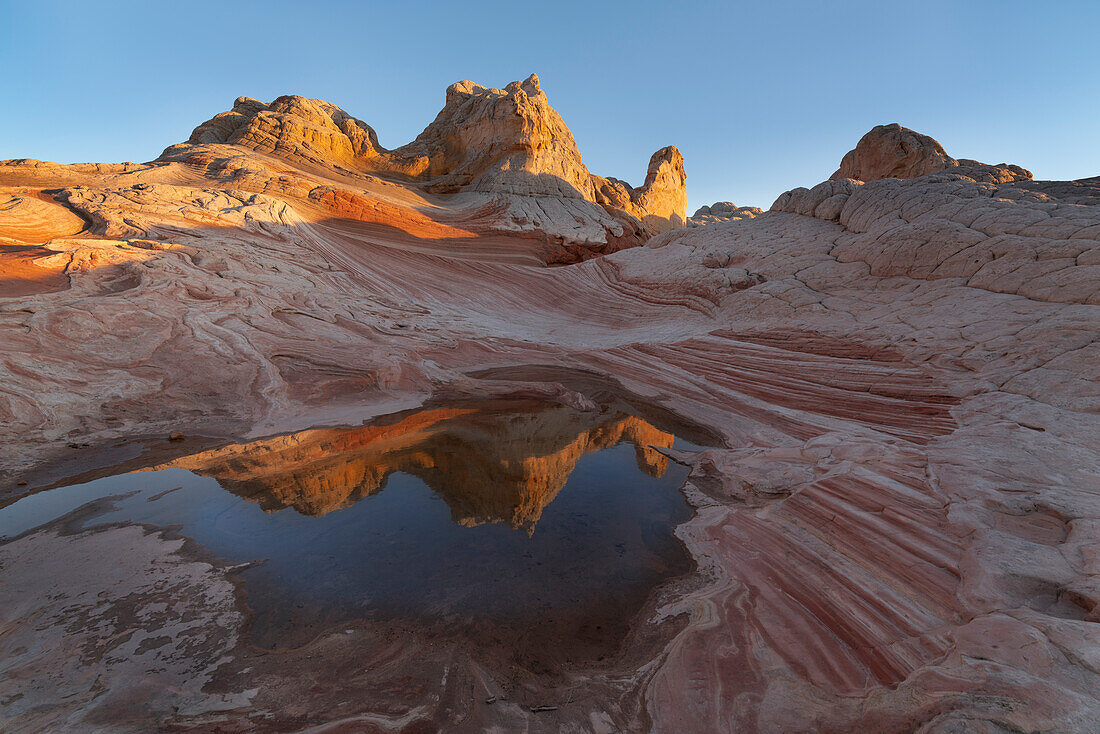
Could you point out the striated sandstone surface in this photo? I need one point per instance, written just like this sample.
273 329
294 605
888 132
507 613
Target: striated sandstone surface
897 527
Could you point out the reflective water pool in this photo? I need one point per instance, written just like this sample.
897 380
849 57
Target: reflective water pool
482 518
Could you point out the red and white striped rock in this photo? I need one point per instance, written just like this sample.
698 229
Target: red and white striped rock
898 527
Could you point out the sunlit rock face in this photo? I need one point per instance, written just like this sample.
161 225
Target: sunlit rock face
660 203
27 220
505 142
490 464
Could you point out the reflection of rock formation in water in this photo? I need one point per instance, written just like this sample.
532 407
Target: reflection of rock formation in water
488 464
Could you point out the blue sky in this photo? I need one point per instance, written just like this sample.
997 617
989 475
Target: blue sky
760 97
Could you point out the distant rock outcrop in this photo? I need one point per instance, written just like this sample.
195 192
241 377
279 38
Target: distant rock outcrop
722 211
893 151
499 141
309 131
889 152
661 202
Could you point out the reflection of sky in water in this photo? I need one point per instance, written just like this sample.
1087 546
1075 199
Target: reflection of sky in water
607 534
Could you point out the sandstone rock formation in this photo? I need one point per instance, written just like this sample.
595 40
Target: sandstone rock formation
722 211
507 142
893 151
660 203
896 520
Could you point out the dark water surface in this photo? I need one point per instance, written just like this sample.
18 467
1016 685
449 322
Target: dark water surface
488 518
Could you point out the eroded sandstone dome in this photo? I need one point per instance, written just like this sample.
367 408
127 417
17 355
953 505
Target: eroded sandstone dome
893 151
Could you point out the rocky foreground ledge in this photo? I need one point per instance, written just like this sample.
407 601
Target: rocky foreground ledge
899 529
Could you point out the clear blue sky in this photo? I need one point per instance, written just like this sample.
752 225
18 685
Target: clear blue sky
760 97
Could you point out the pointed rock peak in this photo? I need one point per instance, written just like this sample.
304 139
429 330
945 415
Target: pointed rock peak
666 169
462 90
893 151
507 141
661 202
530 85
466 89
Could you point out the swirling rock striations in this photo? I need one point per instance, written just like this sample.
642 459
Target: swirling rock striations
896 521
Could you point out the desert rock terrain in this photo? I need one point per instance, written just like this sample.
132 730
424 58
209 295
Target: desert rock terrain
722 211
896 371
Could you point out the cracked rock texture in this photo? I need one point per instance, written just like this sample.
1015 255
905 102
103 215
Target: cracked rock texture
79 647
897 526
